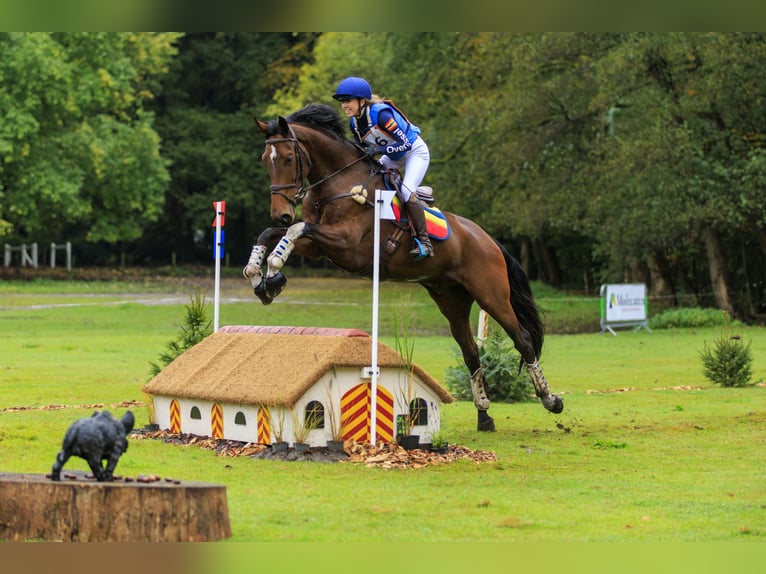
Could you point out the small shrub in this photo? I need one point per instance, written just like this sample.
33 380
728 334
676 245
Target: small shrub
688 317
500 361
728 361
196 327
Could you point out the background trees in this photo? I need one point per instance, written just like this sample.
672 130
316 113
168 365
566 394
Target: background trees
80 159
593 157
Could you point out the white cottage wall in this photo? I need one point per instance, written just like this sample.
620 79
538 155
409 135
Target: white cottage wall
328 390
162 412
201 426
247 432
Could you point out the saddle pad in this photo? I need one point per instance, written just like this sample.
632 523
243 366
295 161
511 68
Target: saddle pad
436 223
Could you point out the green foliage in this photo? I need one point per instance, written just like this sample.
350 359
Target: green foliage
627 140
439 440
213 89
501 364
728 361
79 154
195 328
688 317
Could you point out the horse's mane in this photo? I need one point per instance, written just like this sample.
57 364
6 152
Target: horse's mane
320 116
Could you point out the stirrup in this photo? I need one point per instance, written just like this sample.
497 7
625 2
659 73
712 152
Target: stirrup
421 250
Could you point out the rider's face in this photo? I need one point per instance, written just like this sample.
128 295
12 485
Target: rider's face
351 107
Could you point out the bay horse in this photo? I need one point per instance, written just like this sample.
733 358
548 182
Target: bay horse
310 160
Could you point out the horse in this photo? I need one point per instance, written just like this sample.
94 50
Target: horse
310 160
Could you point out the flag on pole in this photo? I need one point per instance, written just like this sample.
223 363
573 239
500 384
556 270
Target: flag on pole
220 213
218 240
220 218
386 196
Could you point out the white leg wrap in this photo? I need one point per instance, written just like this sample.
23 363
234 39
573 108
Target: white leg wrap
252 270
480 398
284 248
538 379
541 385
280 254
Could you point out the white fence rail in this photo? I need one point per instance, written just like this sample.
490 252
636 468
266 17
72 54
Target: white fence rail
29 254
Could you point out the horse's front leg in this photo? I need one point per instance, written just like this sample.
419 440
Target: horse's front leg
274 282
284 248
265 288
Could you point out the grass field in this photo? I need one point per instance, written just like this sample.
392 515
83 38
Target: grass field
645 450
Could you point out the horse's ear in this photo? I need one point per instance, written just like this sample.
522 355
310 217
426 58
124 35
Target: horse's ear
284 129
261 126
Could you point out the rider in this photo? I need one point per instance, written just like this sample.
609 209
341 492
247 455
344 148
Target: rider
383 129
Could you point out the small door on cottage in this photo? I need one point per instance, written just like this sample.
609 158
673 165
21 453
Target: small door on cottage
355 414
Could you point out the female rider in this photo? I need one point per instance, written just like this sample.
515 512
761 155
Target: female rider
382 129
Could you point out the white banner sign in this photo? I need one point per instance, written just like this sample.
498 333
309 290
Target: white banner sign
624 303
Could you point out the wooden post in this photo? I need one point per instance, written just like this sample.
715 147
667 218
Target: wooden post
79 509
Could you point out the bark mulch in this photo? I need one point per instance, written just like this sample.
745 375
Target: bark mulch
383 455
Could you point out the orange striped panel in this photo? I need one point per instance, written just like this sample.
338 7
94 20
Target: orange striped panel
355 417
355 414
216 424
384 418
175 416
264 426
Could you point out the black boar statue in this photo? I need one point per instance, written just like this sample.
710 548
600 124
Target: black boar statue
95 439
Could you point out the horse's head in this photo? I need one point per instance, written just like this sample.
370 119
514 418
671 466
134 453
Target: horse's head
287 165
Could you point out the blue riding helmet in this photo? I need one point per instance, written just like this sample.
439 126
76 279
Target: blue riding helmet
353 87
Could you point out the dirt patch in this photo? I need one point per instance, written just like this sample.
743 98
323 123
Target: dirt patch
384 455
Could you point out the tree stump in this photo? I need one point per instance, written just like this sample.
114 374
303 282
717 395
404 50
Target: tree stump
80 509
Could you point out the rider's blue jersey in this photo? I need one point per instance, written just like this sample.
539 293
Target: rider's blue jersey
384 127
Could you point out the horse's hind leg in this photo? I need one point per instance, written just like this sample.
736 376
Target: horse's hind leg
499 307
455 304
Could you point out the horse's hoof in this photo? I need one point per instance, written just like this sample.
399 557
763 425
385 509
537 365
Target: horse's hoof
275 284
260 292
485 422
557 406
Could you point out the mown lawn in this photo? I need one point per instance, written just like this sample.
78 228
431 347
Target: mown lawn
645 450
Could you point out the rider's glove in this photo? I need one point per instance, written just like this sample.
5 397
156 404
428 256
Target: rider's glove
372 150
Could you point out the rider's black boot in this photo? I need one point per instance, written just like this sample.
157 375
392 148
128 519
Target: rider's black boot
421 242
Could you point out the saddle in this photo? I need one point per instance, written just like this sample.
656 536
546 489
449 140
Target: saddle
393 180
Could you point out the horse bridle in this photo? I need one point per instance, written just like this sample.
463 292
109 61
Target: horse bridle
276 189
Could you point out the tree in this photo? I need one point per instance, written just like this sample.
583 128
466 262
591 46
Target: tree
620 156
215 87
81 159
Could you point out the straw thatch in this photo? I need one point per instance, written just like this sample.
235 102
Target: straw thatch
266 368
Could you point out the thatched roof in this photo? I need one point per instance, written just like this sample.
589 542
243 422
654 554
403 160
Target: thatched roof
265 365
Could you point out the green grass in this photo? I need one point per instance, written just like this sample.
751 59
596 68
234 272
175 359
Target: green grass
645 450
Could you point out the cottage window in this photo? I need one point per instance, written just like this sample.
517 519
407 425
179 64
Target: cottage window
195 414
239 419
418 412
315 414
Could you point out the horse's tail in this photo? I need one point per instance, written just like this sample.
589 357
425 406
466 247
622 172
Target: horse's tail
527 311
